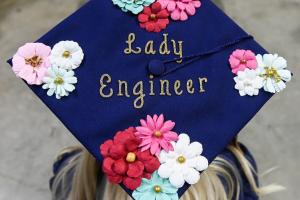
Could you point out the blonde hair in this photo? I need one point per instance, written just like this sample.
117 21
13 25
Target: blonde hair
210 187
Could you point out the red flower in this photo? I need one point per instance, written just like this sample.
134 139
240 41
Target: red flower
124 162
154 18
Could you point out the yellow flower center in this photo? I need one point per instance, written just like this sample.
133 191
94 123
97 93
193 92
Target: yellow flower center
131 157
58 80
153 16
181 159
67 54
35 61
243 62
157 189
157 134
271 72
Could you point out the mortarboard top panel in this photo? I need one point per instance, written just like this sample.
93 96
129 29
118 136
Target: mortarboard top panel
215 112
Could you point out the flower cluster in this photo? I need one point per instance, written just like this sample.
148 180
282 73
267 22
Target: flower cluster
37 64
124 162
156 134
156 188
266 71
152 160
154 16
134 6
184 163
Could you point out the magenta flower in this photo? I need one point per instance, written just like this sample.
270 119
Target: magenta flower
156 134
31 62
242 59
180 9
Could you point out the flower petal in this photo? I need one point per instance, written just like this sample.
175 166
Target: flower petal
150 122
107 166
135 169
279 86
42 50
144 130
170 136
120 167
201 163
168 125
27 51
285 75
183 16
194 149
165 170
260 61
154 147
196 3
280 63
132 183
190 9
191 176
177 180
268 59
175 15
171 6
143 18
156 7
159 122
116 179
182 143
151 165
269 87
117 151
69 87
104 148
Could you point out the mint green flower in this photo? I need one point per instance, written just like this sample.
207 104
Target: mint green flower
134 6
156 188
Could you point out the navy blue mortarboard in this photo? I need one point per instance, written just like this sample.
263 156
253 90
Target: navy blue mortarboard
133 85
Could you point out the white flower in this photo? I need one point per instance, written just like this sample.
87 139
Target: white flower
184 163
248 82
67 55
272 69
59 82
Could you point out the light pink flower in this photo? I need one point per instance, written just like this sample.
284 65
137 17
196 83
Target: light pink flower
242 59
156 134
31 62
180 9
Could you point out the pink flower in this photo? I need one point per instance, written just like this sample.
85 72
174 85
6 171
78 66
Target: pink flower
156 134
180 9
242 59
31 62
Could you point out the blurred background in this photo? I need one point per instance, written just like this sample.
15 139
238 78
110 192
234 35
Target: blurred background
31 135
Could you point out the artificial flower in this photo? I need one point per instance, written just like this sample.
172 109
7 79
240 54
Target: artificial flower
156 188
184 163
59 81
156 134
124 163
134 6
31 62
248 82
154 18
180 9
272 68
242 59
67 55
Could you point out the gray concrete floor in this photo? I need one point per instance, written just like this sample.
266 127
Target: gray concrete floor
31 135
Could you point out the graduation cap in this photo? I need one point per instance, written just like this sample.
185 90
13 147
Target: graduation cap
154 90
